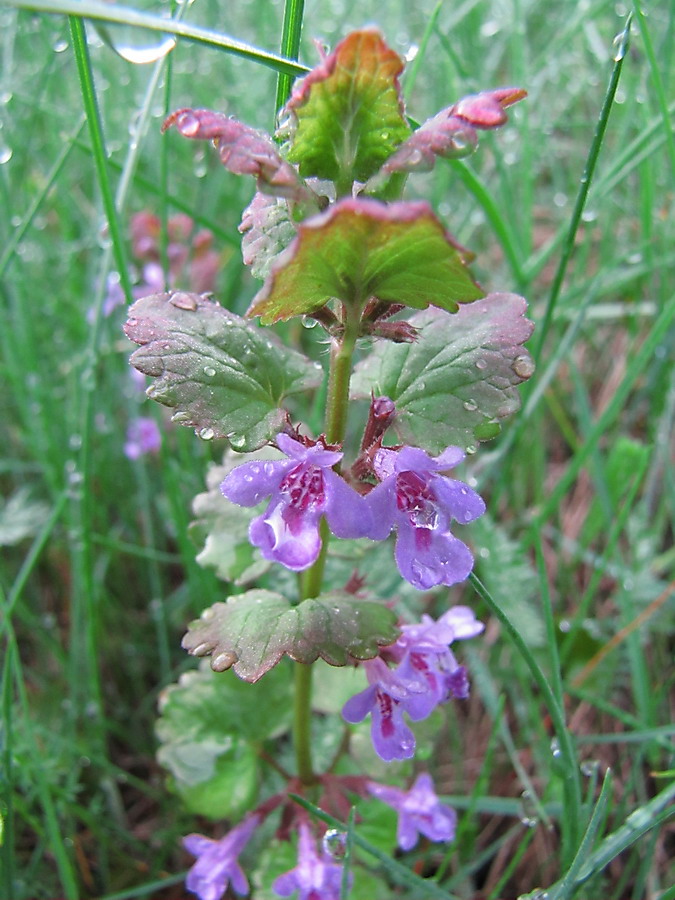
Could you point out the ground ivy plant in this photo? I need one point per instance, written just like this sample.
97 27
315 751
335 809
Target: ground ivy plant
423 365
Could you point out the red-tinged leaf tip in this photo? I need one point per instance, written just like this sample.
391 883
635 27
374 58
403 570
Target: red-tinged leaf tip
396 253
486 110
242 150
451 133
346 116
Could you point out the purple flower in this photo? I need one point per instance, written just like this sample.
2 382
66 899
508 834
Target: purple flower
420 504
143 436
315 877
419 812
425 658
303 488
387 698
217 864
426 674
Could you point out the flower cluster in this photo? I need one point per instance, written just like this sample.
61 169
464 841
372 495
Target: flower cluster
412 497
426 674
316 874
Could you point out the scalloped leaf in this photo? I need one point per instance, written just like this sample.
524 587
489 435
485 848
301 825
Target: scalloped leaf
347 113
243 151
224 377
252 631
207 724
459 379
360 249
451 133
267 230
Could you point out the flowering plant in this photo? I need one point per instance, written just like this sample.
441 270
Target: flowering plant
332 241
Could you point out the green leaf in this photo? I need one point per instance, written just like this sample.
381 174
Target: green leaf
223 376
458 380
207 723
361 249
346 115
222 528
252 631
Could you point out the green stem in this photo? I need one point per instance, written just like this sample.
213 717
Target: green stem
302 723
310 586
340 374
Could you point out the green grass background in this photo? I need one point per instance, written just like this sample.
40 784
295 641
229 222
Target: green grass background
98 577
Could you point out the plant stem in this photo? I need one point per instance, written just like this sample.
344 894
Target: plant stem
340 374
337 402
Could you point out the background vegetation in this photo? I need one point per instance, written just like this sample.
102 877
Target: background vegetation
99 578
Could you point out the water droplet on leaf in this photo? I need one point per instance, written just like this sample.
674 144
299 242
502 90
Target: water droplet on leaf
209 371
470 405
183 301
207 434
523 366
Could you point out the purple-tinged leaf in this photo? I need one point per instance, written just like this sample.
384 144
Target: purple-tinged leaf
222 375
243 151
455 383
346 116
252 631
361 249
451 133
268 230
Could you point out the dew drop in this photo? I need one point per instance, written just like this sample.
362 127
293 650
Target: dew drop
523 366
183 301
619 47
237 441
471 449
470 405
334 843
188 124
209 371
5 154
481 364
207 434
309 322
60 46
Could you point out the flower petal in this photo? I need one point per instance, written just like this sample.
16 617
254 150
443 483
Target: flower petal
357 707
382 505
251 482
287 537
463 503
347 513
426 558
